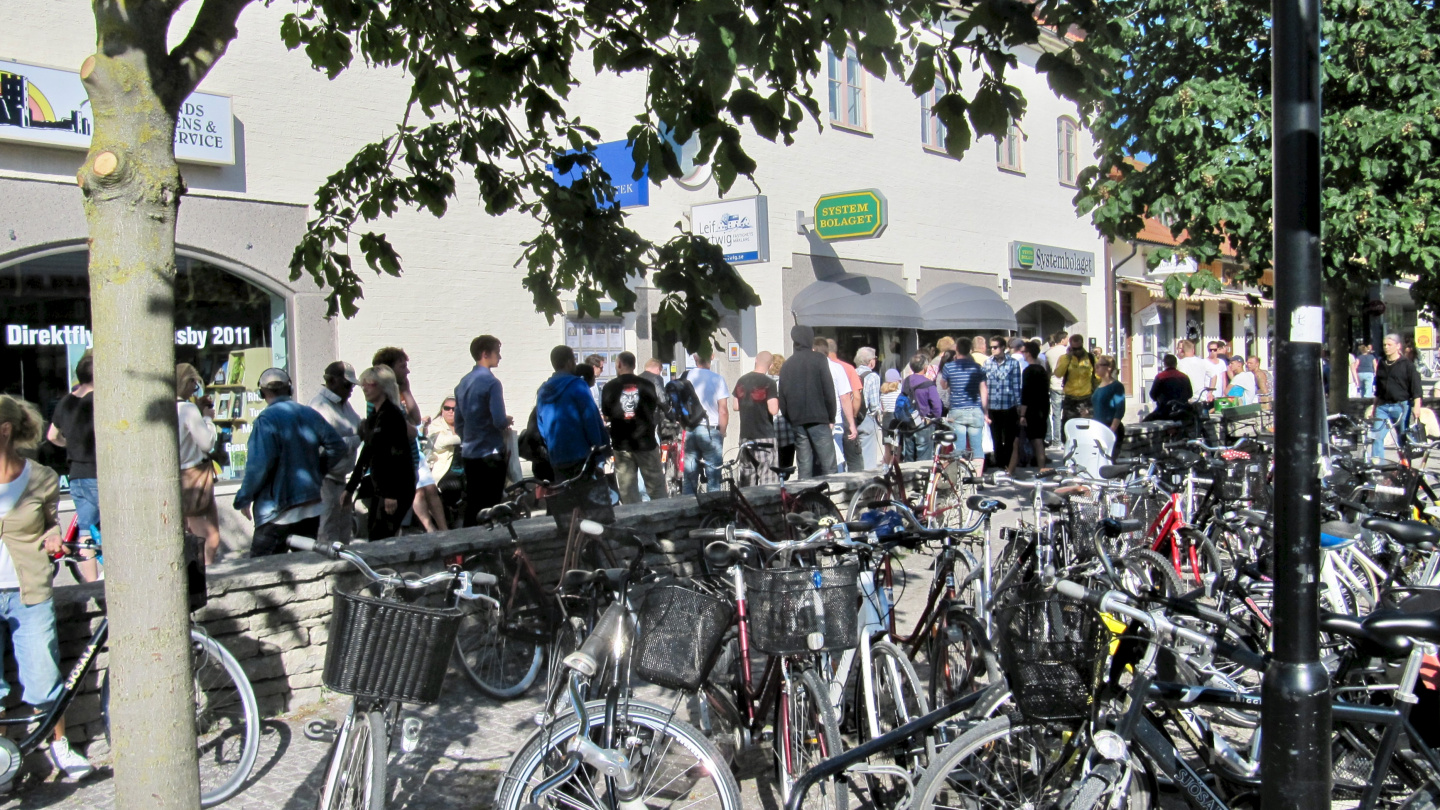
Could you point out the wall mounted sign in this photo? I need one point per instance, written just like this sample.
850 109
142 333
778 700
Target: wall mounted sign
49 107
1047 259
741 227
1424 337
618 161
851 215
732 351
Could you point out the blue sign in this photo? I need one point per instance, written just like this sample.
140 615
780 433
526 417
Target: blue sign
618 161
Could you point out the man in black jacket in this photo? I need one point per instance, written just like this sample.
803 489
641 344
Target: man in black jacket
807 400
1397 390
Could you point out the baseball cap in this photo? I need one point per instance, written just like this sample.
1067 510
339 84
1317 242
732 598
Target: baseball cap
273 376
343 370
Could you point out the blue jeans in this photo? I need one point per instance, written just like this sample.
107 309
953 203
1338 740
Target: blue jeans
85 492
705 443
1367 383
1397 413
37 648
969 424
838 432
918 446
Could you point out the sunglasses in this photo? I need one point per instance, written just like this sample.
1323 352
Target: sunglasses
447 407
997 345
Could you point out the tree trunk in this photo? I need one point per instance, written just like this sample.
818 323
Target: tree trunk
132 191
1337 319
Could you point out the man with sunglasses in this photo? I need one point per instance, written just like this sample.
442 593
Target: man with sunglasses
1218 370
333 403
1003 376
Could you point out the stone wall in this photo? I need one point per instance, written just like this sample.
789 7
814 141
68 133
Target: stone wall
273 614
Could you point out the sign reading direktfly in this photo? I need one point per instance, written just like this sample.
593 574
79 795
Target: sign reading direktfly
741 228
1029 256
50 107
618 161
851 215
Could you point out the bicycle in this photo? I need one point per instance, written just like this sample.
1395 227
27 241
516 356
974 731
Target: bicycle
227 719
730 504
943 489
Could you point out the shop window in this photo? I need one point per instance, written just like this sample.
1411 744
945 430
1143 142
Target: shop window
847 88
1008 152
932 129
226 327
602 337
1068 138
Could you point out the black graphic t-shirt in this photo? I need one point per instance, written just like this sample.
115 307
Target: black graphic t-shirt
629 403
752 392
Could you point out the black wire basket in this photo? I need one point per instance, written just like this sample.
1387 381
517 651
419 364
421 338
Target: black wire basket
1394 490
681 634
798 610
388 650
1053 651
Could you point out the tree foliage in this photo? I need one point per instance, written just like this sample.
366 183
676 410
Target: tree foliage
1188 86
489 89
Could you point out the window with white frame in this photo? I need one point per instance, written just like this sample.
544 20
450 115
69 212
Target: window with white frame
1008 152
1068 139
932 129
847 89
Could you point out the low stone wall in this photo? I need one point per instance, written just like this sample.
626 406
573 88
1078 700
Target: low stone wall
273 613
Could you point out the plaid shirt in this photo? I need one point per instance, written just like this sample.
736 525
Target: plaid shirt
1003 379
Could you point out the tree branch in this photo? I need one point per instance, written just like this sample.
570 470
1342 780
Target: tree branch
211 34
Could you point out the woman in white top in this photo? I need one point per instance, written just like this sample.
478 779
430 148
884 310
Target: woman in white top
197 471
444 443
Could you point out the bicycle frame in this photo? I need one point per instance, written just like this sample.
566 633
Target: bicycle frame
70 688
894 479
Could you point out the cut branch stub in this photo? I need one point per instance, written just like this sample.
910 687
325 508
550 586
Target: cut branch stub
106 163
87 67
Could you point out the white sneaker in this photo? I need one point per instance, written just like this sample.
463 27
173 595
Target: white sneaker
74 765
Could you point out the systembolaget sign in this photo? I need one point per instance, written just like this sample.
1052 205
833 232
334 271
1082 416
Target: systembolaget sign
1047 259
851 215
49 107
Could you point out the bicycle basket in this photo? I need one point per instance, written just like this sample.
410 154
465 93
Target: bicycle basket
681 633
388 650
786 607
1052 651
1394 490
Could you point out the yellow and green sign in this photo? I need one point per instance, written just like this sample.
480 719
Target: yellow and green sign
851 215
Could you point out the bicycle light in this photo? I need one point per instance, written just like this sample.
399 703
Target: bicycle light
1109 745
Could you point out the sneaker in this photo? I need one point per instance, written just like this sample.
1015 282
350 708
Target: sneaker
74 765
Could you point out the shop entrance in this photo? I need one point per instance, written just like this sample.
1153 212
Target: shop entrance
850 339
1042 318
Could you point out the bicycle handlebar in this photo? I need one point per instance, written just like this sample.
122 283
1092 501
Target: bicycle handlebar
338 551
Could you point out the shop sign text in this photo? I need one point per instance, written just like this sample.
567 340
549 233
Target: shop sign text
851 215
1047 259
741 228
617 158
50 107
19 334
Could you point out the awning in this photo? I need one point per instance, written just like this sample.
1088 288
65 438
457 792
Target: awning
964 306
852 300
1157 291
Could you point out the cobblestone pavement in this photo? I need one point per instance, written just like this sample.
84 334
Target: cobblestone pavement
465 744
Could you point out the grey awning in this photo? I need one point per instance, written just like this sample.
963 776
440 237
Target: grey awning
963 306
851 300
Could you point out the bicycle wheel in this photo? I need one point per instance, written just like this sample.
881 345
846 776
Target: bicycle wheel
1003 764
806 733
677 767
876 490
355 777
227 720
898 699
502 650
951 493
1149 571
817 504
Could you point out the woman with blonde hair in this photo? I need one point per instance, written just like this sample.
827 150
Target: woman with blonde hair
30 533
444 447
384 470
943 345
197 471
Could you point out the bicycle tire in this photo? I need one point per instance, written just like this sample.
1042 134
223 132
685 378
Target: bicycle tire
899 699
876 490
1003 763
951 494
806 726
225 707
498 649
546 749
355 776
1145 569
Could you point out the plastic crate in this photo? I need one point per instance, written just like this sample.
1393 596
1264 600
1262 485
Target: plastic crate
389 650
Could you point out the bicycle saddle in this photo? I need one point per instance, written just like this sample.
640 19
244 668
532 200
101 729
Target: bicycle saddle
947 436
1396 625
1114 527
800 490
1250 517
1408 533
1337 534
1053 501
1112 471
1369 642
723 553
614 577
784 472
989 506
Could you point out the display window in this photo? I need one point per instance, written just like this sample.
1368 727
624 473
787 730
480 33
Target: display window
229 329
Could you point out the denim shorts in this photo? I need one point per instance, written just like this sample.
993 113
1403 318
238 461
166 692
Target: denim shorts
969 422
85 492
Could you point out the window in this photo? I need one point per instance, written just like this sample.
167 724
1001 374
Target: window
932 129
1007 150
1068 135
847 89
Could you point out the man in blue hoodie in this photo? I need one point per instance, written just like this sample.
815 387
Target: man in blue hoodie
569 422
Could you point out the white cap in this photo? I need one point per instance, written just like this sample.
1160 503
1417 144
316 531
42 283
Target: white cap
273 376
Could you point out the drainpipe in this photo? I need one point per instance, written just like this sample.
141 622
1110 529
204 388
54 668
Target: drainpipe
1112 305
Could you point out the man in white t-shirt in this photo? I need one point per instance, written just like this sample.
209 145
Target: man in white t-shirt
1242 382
1195 368
707 442
1217 372
844 404
1058 347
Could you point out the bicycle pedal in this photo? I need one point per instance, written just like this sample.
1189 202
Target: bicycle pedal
321 731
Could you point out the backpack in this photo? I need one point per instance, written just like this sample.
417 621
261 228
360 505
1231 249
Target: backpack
904 416
866 406
909 391
685 406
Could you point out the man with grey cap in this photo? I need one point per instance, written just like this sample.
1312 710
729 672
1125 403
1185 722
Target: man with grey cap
807 399
291 450
333 403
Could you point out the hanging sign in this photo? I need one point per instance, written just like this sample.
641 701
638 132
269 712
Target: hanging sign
740 227
49 107
617 158
851 215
